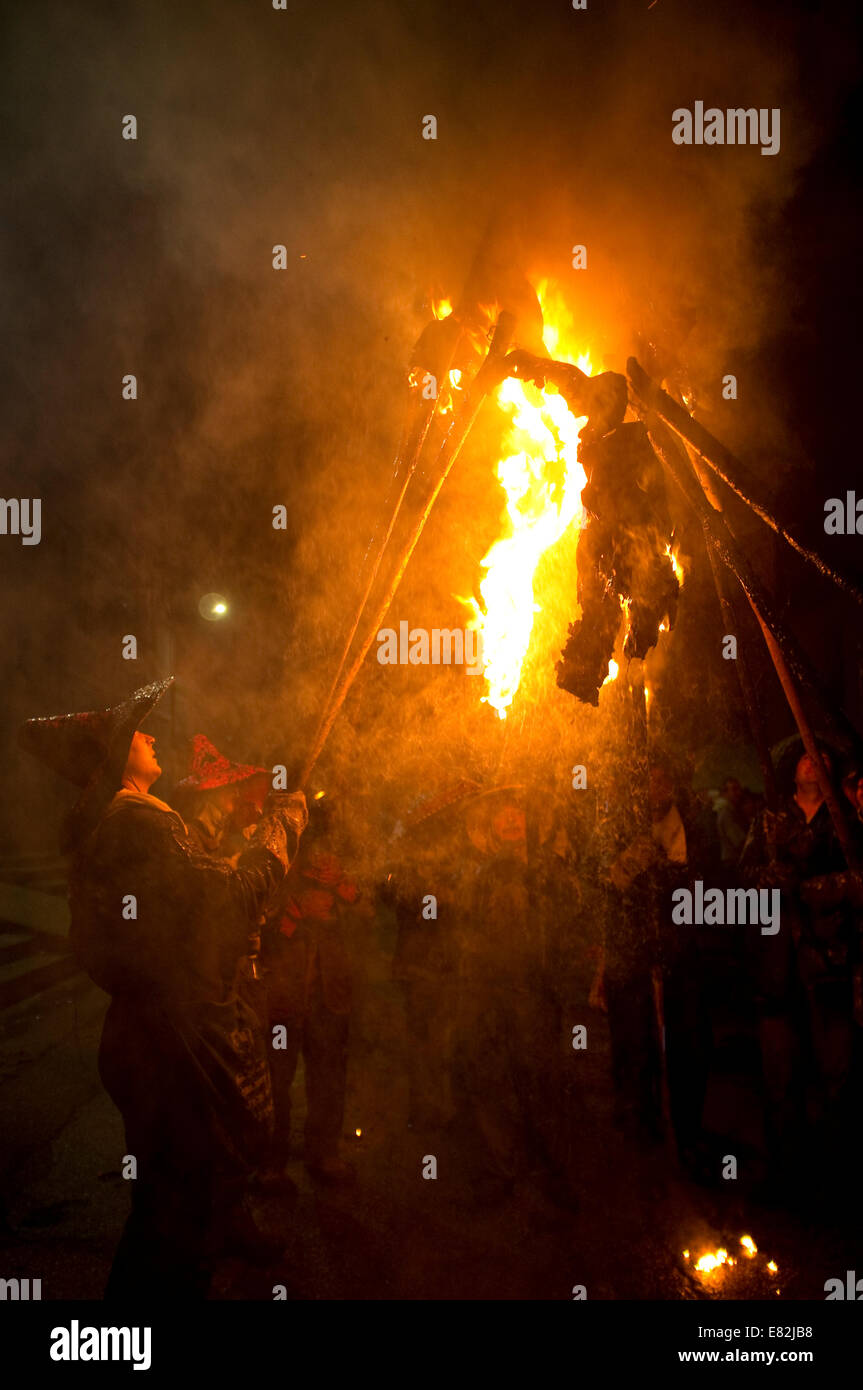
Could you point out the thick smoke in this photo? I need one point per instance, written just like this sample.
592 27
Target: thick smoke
259 387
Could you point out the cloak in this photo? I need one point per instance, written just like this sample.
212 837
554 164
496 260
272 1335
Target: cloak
161 927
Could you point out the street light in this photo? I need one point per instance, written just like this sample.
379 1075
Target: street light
212 607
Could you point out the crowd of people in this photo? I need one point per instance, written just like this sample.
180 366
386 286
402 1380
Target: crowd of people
219 924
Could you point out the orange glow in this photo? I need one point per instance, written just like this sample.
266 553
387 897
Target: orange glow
441 308
711 1261
542 482
673 556
613 670
454 378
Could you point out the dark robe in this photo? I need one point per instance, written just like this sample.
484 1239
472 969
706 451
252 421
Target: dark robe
804 981
181 1056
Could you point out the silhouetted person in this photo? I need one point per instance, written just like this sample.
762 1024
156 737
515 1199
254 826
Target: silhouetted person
804 979
309 988
153 922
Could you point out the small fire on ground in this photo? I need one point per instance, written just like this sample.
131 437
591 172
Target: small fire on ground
712 1262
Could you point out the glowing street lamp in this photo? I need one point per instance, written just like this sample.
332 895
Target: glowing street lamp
213 607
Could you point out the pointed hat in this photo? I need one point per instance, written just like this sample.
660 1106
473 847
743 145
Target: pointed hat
209 768
77 746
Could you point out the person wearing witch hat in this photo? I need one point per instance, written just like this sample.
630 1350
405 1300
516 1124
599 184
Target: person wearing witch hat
219 799
221 802
153 922
804 976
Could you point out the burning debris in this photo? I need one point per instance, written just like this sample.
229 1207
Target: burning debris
623 559
713 1268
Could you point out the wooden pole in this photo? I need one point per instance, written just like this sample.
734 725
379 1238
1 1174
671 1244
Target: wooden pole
726 604
420 415
725 547
782 648
727 467
744 677
414 439
490 374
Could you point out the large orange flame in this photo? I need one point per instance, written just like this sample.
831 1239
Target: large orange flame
542 482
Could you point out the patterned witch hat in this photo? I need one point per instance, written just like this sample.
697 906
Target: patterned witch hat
77 746
90 749
208 768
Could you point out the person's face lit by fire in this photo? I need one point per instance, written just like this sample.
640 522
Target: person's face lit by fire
805 775
142 766
249 801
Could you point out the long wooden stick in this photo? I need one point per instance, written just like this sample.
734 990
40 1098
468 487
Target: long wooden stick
726 548
415 430
490 374
781 646
726 604
724 464
413 440
744 677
